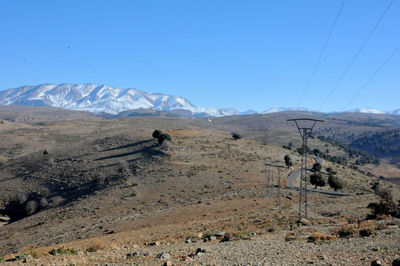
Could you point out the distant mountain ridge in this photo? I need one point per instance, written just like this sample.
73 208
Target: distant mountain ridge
102 99
107 99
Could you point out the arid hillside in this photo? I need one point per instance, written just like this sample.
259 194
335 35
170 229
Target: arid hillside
105 191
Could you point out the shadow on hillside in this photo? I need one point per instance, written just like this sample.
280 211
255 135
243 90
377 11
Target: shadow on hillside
129 145
145 152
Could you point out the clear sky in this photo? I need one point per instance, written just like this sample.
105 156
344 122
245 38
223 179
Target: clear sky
241 54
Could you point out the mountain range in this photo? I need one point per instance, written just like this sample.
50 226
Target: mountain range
107 99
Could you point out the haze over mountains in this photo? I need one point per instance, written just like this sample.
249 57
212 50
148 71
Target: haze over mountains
107 99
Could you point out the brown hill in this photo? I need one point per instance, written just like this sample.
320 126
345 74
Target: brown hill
111 190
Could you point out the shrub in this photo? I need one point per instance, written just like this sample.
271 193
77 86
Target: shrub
163 137
365 232
33 254
62 251
156 133
386 205
1 259
346 231
94 247
236 136
317 236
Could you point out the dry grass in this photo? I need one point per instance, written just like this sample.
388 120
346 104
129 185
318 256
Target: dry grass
318 236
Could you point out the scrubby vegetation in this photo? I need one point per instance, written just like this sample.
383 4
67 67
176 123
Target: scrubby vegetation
359 157
62 251
382 144
386 205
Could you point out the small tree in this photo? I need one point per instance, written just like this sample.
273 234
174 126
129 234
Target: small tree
156 133
334 182
317 180
236 136
288 161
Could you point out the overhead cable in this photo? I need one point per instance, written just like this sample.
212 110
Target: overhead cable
356 55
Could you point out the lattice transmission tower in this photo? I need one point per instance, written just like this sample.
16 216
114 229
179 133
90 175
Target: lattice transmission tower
305 127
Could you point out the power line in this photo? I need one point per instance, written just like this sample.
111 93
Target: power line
320 54
372 76
356 55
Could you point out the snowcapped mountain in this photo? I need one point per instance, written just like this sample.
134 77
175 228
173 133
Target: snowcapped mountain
367 111
284 109
103 98
107 99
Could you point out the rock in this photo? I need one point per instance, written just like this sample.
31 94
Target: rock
4 218
155 243
376 262
198 235
396 262
164 255
188 259
167 263
227 237
133 254
188 241
200 252
304 221
219 235
213 238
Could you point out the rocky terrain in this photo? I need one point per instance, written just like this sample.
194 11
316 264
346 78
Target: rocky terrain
105 191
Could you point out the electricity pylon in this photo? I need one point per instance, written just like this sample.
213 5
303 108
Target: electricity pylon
305 127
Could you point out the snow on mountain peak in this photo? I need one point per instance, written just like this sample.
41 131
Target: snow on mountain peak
103 98
107 99
367 111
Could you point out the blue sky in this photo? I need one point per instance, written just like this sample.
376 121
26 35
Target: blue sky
240 54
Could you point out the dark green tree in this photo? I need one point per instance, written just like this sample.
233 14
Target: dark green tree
156 133
288 161
334 182
316 167
317 180
163 137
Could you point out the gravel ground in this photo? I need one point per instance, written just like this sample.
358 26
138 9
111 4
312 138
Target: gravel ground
271 249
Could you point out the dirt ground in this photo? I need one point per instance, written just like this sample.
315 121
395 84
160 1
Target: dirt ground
116 196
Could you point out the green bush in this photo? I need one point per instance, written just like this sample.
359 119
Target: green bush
62 251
